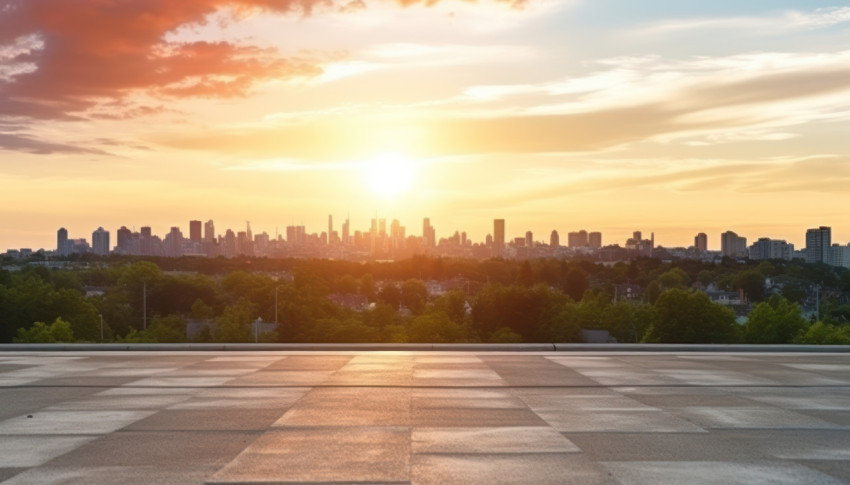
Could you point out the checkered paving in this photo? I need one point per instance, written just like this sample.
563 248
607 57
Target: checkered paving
423 417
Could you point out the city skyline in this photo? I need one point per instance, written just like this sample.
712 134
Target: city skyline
607 115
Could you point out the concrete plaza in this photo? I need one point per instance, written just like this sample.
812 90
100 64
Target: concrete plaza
424 417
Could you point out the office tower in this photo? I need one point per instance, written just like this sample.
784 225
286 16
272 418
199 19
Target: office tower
463 238
554 239
498 238
701 242
817 242
100 242
742 247
62 242
729 244
766 248
174 243
637 236
209 231
594 240
123 237
345 232
330 227
195 231
529 239
577 239
838 255
146 241
230 244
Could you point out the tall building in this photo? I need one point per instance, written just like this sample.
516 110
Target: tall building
122 240
594 240
554 239
62 247
577 239
701 242
766 248
330 226
837 255
817 242
146 241
174 243
100 242
529 239
346 228
209 231
429 234
498 238
729 244
195 231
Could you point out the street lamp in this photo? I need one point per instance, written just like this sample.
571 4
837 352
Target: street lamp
257 323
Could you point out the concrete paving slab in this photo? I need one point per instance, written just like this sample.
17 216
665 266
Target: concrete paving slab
720 473
540 439
423 417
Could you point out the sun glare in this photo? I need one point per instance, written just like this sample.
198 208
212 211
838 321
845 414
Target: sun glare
390 175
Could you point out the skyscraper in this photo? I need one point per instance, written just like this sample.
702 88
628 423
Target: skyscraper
195 231
594 240
62 241
818 242
529 239
701 242
100 242
577 239
729 244
122 239
209 231
554 239
498 238
146 241
330 226
345 232
429 234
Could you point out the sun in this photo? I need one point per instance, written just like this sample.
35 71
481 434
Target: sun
390 175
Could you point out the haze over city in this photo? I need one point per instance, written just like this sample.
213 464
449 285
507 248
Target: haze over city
607 115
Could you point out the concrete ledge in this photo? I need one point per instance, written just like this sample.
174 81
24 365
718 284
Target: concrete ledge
425 348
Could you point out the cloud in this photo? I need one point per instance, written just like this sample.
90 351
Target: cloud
24 143
776 24
60 58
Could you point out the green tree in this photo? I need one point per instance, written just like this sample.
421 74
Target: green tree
434 328
234 324
681 316
752 282
57 332
776 321
505 336
575 283
820 333
414 295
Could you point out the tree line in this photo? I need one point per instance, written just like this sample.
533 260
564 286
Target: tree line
502 301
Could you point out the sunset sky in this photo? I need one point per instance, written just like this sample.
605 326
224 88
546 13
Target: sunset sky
611 115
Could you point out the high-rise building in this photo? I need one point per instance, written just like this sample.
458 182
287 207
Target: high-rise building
838 255
346 229
817 242
701 242
146 241
529 239
498 238
729 244
122 240
577 239
554 239
594 240
100 242
62 247
195 231
174 243
766 248
209 231
330 226
230 243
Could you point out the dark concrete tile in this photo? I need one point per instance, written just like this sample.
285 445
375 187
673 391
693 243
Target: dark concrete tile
614 446
546 468
350 407
716 472
7 473
474 417
208 420
539 439
536 371
210 449
839 417
28 400
839 470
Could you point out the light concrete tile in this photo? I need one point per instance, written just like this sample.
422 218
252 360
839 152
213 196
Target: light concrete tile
541 439
188 382
720 473
71 422
638 421
29 451
96 403
284 378
323 455
751 417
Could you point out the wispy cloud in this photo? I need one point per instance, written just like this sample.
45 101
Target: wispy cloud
775 24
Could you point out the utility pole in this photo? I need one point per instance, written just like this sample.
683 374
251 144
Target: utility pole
101 327
144 305
817 302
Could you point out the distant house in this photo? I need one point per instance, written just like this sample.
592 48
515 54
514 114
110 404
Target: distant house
597 337
726 297
628 291
352 301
